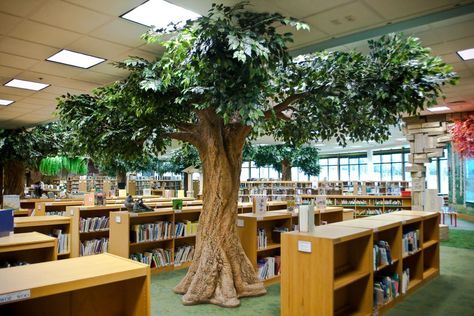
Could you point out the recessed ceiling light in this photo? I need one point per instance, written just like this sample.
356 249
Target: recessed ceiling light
23 84
466 54
438 109
6 102
75 59
159 13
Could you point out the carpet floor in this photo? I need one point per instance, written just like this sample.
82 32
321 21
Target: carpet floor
449 294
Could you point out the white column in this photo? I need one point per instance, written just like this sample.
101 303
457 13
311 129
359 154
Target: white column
370 166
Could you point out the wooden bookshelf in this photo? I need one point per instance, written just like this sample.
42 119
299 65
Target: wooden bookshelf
46 225
78 212
366 205
121 231
332 276
32 247
55 207
248 225
423 264
275 190
96 285
331 214
246 207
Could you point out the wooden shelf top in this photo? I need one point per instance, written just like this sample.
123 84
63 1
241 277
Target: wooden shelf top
41 220
405 219
48 278
47 200
331 209
335 233
429 243
272 215
337 196
269 203
375 225
269 247
21 212
64 203
155 212
423 214
348 278
24 239
98 207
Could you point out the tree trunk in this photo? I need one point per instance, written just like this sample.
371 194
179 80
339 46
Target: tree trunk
285 170
220 273
121 179
14 177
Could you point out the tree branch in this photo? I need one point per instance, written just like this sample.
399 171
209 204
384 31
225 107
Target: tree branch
285 104
185 137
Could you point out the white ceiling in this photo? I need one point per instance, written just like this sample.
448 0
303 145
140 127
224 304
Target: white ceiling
32 30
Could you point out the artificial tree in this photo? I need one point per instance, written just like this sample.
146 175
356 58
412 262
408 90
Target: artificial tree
228 75
283 157
22 148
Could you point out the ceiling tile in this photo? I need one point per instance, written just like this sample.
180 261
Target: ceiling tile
453 46
44 34
97 47
456 31
139 53
8 23
108 68
20 8
9 72
25 48
111 7
15 91
392 10
350 17
122 32
56 69
16 61
98 78
303 37
305 7
69 17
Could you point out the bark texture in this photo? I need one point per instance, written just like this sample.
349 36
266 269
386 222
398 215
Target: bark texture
14 177
285 170
220 273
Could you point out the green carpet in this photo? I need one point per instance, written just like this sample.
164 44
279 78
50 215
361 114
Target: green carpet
449 294
460 239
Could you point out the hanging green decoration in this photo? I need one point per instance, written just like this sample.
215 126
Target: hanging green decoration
51 166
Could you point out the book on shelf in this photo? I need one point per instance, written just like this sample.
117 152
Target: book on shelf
405 280
6 222
155 258
93 224
52 213
411 242
386 289
94 246
382 254
183 254
63 240
268 267
186 229
151 231
261 238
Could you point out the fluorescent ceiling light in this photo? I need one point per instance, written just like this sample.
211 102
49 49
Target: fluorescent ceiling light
401 139
159 13
6 102
23 84
466 54
438 109
75 59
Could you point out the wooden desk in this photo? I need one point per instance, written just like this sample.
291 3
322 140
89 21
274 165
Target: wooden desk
94 285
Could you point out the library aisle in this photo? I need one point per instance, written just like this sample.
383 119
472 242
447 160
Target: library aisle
452 292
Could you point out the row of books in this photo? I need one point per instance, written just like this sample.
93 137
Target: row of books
94 246
183 254
268 267
63 240
385 289
368 212
411 242
388 202
9 264
93 224
59 213
151 231
353 202
261 238
186 229
382 254
155 258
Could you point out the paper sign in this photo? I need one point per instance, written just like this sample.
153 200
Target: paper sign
15 296
259 205
122 193
304 246
321 203
118 219
240 223
89 199
11 201
146 192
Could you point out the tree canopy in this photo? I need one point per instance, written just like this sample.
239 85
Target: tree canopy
236 63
